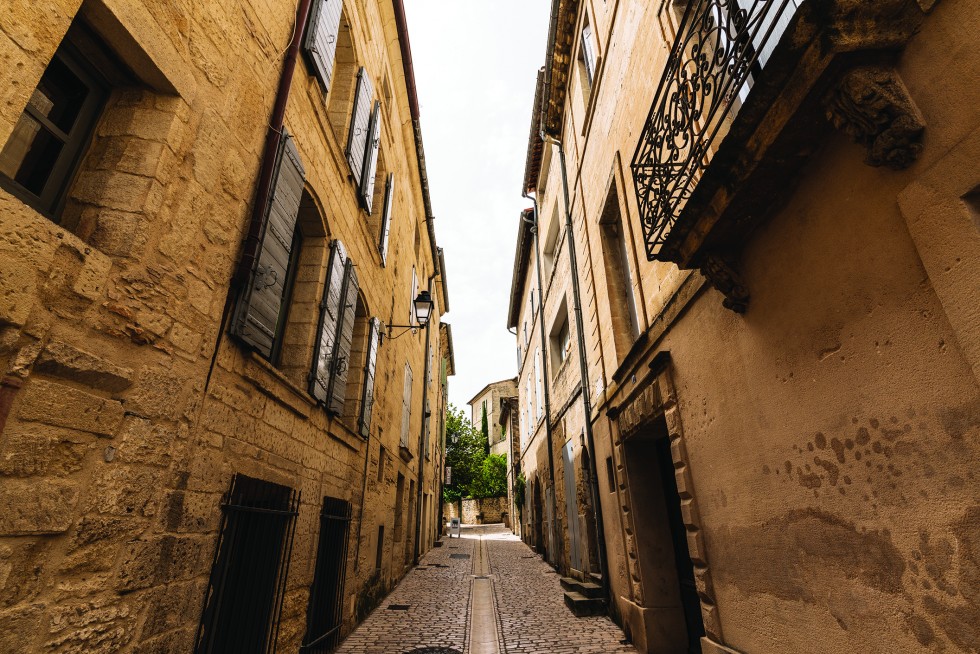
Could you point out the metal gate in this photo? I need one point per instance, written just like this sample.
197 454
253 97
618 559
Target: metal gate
248 576
325 612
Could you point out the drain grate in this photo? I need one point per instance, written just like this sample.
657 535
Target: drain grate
480 577
433 650
459 556
398 607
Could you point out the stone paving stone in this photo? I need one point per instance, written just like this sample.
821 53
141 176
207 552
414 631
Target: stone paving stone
531 606
531 610
438 600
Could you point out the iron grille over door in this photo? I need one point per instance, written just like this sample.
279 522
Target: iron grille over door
325 612
245 593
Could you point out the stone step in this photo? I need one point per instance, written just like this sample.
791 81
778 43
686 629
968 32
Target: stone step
586 588
583 606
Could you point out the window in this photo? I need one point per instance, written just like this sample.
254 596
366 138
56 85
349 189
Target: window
560 341
38 161
611 474
538 382
363 139
411 298
381 547
320 40
343 80
259 314
619 280
385 229
245 591
550 253
586 59
406 406
382 456
399 501
528 404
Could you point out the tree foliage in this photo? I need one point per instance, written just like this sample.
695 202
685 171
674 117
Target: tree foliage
485 428
475 473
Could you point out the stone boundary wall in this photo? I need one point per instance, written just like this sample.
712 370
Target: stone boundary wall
487 510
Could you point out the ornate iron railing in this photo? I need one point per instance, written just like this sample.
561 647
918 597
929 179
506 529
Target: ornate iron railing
720 48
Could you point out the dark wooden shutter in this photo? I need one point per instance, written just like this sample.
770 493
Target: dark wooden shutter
360 123
371 158
257 315
330 311
320 41
342 344
370 367
386 217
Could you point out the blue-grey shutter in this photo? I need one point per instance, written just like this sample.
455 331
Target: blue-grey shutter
320 40
406 406
370 367
257 314
330 312
371 158
342 344
360 123
386 218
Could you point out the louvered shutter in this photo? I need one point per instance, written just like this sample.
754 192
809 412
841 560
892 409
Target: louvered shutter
370 367
386 218
406 405
342 345
360 123
330 312
588 52
371 158
257 315
320 41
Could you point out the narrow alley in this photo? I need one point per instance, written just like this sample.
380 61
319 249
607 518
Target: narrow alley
437 608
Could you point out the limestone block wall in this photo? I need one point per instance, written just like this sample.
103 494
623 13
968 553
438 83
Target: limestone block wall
125 407
478 511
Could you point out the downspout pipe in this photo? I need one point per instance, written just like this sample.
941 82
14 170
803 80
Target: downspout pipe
273 136
583 366
544 365
425 420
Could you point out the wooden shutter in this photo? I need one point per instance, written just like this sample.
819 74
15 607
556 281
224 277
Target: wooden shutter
257 315
360 123
342 344
386 218
370 367
406 405
371 158
320 40
323 353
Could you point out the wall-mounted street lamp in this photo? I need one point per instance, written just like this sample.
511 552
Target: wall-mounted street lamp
423 311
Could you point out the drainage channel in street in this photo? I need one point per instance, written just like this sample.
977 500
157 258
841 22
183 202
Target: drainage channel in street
484 637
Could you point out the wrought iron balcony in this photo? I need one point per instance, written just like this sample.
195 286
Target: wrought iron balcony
750 89
720 49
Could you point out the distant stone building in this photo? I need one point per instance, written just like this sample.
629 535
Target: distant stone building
214 221
773 212
488 401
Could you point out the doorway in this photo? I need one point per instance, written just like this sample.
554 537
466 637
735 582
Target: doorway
571 505
666 570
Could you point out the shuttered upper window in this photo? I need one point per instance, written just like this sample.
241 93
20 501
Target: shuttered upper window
331 358
357 136
406 405
371 158
370 370
260 312
386 218
320 40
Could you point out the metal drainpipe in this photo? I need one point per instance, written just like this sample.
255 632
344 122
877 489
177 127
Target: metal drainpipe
559 542
583 367
272 138
425 402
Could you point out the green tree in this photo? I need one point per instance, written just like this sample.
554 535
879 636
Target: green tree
465 453
485 428
491 478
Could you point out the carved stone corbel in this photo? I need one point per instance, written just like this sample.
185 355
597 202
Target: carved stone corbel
873 107
722 274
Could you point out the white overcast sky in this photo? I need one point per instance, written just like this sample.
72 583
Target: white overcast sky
475 67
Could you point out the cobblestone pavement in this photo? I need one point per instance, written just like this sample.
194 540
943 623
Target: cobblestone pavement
533 615
531 611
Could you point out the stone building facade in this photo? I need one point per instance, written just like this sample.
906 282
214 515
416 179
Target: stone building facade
213 219
778 300
490 399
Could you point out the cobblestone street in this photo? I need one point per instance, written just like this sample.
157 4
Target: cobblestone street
528 606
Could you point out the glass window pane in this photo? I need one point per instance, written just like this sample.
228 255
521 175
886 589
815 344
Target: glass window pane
29 154
60 95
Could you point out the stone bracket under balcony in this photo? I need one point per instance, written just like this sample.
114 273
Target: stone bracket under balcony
832 67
